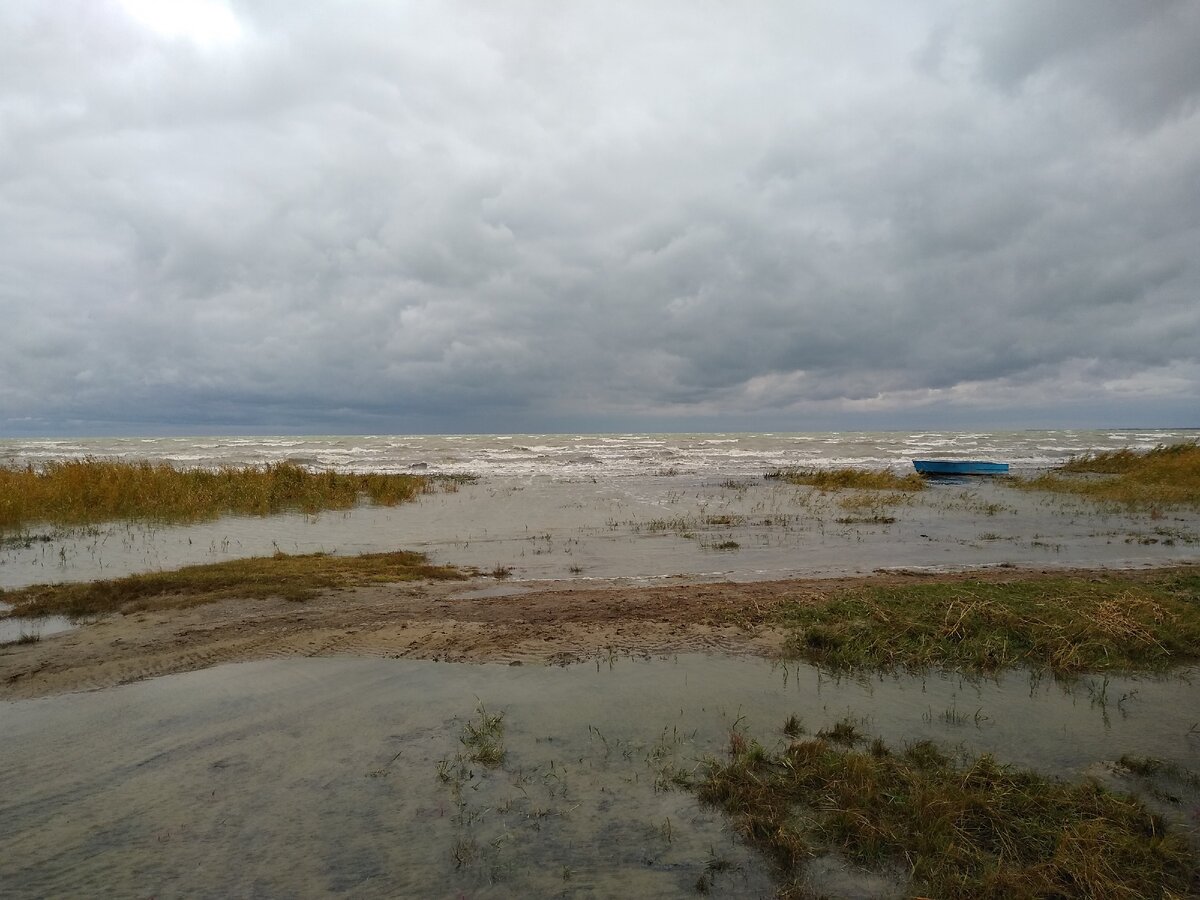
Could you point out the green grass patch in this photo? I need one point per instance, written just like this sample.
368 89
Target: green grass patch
484 739
289 577
968 828
1065 624
850 478
1164 476
94 490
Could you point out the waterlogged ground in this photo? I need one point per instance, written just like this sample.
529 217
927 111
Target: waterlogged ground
304 777
641 528
19 628
307 777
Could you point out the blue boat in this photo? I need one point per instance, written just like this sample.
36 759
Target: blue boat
959 467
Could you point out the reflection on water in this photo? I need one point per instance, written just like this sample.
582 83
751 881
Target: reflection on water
304 777
18 628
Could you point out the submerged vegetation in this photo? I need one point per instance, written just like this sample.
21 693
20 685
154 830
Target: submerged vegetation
289 577
484 739
1065 624
95 490
960 828
850 478
1164 476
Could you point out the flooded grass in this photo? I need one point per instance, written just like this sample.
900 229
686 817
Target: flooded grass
93 490
25 638
1065 624
1151 767
1164 476
595 794
289 577
847 478
484 739
962 828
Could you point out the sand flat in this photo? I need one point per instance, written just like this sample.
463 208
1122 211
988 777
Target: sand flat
538 623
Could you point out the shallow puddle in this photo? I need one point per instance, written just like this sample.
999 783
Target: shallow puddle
309 777
18 629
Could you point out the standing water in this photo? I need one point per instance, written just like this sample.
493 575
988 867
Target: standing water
310 777
633 507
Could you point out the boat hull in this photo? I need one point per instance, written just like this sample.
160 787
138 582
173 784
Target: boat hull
959 467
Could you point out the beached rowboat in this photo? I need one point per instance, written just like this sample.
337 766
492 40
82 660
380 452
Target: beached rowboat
959 467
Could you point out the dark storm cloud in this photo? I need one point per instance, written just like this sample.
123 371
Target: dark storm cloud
453 216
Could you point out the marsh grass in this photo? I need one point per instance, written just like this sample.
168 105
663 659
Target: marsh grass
1065 624
966 828
1153 767
289 577
95 490
25 638
850 478
1164 476
484 738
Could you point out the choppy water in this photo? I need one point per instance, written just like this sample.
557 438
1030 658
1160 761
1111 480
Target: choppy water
587 456
310 777
632 506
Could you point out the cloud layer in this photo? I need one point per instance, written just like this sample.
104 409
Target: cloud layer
386 216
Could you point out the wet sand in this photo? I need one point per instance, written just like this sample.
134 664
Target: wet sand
627 566
473 622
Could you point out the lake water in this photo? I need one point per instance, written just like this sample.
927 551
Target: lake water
600 456
632 507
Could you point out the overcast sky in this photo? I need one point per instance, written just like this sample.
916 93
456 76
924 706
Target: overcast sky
387 217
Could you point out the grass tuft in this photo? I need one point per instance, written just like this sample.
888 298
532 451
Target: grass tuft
289 577
1065 624
1164 476
849 478
484 739
95 490
962 829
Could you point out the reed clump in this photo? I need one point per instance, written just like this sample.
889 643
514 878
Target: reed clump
1164 476
850 479
1064 624
484 739
967 828
298 578
81 492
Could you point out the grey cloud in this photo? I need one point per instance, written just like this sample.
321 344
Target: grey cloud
448 215
1138 57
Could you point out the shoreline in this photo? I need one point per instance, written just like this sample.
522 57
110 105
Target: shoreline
473 621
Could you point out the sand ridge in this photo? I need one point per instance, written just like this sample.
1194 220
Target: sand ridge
472 622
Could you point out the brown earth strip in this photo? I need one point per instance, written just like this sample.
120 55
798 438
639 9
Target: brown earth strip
457 622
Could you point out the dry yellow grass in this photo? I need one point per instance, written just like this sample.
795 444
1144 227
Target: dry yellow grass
1066 624
848 478
969 828
94 490
1164 476
289 577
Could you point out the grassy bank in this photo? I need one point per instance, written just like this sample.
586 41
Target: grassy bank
289 577
93 490
1065 624
850 479
968 828
1164 476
